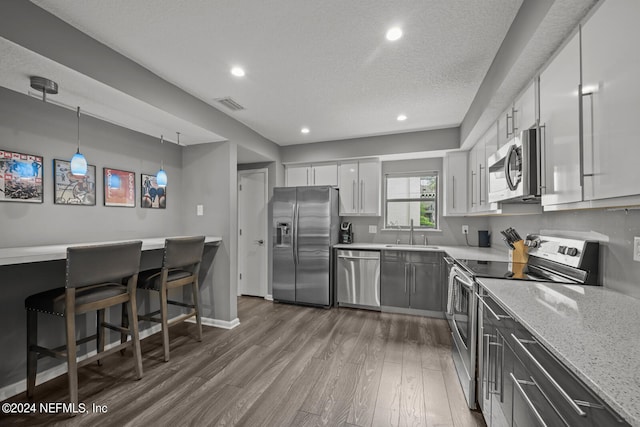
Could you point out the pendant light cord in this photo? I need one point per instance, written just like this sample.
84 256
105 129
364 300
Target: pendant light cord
78 111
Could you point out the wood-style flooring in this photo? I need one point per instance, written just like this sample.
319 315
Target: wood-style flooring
284 365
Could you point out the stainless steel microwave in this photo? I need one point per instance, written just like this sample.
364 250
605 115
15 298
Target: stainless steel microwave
514 170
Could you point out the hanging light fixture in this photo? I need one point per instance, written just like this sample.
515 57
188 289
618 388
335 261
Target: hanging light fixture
78 162
161 176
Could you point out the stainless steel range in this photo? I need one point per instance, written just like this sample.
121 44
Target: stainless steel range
551 259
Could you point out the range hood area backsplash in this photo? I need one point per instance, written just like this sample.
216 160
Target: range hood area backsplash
614 229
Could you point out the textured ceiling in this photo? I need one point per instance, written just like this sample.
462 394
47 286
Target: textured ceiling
321 64
94 98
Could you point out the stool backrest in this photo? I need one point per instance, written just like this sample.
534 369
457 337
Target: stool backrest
95 264
183 251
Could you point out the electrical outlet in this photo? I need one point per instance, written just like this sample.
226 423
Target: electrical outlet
465 229
636 248
199 210
373 229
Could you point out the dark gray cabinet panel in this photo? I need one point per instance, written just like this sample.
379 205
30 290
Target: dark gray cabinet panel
426 287
393 283
412 279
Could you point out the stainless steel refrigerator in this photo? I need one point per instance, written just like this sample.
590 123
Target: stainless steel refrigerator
305 224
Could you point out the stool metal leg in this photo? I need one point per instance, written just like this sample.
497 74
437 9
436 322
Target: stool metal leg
32 355
196 303
72 364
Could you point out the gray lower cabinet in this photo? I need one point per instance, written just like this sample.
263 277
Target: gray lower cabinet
411 279
522 384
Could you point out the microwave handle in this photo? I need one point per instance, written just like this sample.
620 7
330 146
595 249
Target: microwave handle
507 175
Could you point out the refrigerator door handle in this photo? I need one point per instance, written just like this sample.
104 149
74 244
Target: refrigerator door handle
294 247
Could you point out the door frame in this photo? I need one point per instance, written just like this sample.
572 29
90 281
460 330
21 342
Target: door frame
265 271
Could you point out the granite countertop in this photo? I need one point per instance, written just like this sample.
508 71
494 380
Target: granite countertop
26 254
458 252
593 330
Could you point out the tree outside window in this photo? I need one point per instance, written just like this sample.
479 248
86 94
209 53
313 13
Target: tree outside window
411 197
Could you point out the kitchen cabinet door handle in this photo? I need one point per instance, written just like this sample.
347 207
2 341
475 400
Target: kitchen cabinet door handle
518 383
405 277
314 176
541 161
590 115
581 138
353 196
514 127
480 168
486 373
453 191
552 380
473 175
413 277
361 195
507 125
498 317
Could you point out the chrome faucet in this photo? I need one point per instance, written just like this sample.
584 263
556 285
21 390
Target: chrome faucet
411 233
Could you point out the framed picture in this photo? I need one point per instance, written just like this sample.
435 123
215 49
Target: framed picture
70 189
153 197
20 177
119 188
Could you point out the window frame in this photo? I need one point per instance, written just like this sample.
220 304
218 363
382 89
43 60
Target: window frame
436 201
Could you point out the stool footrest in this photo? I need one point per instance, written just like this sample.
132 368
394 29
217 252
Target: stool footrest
181 304
182 318
105 353
116 328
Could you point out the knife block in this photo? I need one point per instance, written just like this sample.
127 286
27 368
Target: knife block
519 253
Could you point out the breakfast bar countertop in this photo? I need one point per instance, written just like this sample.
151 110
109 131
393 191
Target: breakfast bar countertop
27 254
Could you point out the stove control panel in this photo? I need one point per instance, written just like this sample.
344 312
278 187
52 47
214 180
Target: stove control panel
559 249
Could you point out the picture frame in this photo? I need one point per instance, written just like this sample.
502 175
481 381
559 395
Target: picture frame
119 188
21 177
151 195
70 189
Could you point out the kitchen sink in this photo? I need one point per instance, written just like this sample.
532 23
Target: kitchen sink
410 246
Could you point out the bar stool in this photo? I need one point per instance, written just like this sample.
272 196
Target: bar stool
94 281
180 267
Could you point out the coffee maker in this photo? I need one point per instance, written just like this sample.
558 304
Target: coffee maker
346 232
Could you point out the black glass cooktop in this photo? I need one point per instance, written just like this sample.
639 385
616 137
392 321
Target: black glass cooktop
508 270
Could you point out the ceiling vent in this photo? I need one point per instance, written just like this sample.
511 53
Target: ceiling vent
230 103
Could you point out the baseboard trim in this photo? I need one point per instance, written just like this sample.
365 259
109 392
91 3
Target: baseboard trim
51 373
269 297
224 324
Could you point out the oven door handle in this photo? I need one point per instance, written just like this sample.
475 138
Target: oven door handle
465 280
498 317
449 260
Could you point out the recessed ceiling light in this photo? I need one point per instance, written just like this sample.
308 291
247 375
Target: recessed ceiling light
237 71
402 118
394 34
304 130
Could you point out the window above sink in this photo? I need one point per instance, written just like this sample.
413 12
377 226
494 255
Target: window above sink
411 196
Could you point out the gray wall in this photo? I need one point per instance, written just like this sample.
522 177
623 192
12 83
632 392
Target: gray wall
210 176
614 229
31 126
411 142
450 232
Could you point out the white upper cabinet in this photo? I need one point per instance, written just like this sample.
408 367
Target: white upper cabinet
524 110
297 176
611 100
559 121
479 173
360 188
325 174
312 175
455 184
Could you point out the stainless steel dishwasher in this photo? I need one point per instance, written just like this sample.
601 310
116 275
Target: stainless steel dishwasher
358 279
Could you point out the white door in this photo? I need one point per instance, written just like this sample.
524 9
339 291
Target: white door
252 232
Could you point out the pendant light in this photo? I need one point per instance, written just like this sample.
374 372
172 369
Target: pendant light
161 176
78 161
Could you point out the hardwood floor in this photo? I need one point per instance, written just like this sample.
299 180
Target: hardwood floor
283 366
